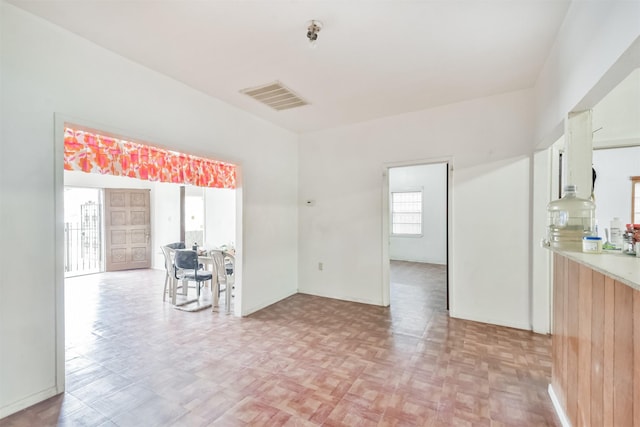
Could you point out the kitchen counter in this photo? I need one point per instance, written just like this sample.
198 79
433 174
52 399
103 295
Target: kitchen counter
621 267
595 375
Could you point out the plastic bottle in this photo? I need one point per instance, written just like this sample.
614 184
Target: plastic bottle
570 219
616 231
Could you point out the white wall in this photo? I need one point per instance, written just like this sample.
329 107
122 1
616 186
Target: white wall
49 73
220 213
597 46
164 199
491 269
614 167
488 139
431 246
166 218
616 119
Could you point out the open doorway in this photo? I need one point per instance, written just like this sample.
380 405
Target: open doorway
416 238
165 215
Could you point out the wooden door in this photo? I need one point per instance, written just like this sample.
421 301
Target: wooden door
127 229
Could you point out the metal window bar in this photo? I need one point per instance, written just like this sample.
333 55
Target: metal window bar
83 242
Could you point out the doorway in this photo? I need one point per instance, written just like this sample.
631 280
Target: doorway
164 209
415 240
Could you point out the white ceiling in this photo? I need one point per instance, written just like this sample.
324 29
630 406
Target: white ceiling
373 58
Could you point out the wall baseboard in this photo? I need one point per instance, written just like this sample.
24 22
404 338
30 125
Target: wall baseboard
259 307
564 420
514 325
423 261
342 297
31 400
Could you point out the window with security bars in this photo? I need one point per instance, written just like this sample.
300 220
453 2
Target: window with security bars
406 213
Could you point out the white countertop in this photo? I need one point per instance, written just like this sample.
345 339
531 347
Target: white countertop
622 267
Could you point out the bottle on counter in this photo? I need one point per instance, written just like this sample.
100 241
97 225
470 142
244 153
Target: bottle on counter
592 244
570 219
616 232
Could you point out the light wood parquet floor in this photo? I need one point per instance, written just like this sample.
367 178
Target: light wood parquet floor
305 361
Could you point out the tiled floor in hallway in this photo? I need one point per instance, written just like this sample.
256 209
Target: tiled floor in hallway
305 361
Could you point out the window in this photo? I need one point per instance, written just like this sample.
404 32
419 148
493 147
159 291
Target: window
192 215
406 213
635 199
194 220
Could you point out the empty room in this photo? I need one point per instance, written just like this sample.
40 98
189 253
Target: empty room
307 113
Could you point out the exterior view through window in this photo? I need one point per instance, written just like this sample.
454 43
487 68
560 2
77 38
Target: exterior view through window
635 199
406 213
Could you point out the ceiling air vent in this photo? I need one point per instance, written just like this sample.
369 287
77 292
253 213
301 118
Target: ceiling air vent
276 96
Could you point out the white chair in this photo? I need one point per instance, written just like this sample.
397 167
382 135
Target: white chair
169 279
223 269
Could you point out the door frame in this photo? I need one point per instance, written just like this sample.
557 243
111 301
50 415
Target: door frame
59 121
546 177
386 234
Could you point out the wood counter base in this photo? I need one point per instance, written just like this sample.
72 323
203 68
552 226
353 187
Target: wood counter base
596 346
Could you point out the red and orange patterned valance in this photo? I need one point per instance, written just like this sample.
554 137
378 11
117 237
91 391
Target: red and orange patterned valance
92 152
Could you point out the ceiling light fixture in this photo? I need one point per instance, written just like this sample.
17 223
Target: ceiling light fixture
313 29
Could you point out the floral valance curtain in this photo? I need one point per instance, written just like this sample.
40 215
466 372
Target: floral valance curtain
92 152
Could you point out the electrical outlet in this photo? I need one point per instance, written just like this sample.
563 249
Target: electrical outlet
320 266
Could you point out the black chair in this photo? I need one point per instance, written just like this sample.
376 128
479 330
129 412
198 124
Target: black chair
186 267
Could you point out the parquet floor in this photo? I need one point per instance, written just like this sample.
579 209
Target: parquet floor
305 361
